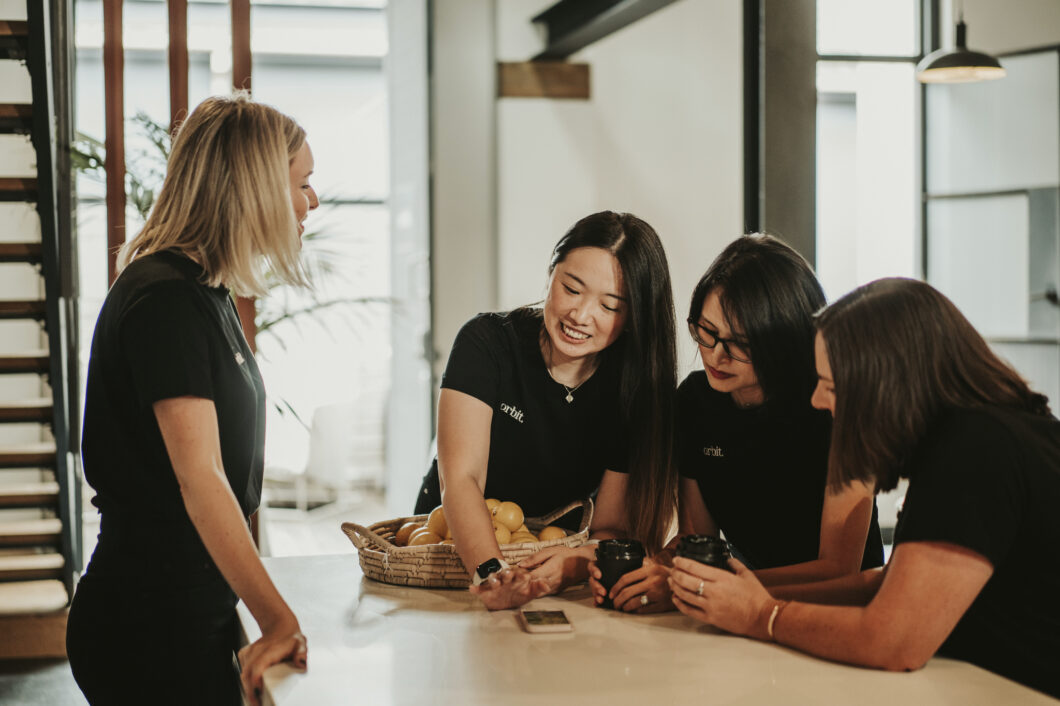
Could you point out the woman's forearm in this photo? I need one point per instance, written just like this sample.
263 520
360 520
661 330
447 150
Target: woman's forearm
853 589
851 634
189 429
220 523
469 522
805 572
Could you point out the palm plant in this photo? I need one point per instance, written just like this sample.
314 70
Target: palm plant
144 174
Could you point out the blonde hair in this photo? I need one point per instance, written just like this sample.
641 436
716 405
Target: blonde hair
226 200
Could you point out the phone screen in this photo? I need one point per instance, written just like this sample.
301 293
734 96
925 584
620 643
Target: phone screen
545 621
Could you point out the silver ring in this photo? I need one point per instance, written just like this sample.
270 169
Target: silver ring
644 599
699 591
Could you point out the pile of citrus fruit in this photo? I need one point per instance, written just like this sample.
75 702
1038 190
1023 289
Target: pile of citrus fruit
508 526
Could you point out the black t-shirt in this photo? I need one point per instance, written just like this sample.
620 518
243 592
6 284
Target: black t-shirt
989 480
162 334
762 473
544 452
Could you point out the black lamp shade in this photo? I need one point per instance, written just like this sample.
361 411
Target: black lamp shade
958 65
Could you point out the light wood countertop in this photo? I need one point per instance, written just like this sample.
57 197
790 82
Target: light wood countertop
373 643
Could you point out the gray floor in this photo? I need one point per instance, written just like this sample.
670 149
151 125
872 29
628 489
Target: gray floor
28 682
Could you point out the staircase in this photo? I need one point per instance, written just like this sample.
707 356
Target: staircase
40 505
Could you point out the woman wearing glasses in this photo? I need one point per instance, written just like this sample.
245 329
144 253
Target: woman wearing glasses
545 405
752 451
917 393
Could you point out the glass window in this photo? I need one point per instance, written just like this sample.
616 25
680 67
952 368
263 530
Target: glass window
868 27
322 63
866 173
867 151
973 236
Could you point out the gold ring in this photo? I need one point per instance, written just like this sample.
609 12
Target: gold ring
699 591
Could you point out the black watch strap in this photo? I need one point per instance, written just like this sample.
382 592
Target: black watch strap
490 566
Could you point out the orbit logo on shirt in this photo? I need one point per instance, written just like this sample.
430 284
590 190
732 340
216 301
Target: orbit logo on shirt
512 411
713 451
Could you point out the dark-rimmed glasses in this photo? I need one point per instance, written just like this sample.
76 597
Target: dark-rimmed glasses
735 349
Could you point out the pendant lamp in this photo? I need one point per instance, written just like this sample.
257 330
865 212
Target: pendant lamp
960 64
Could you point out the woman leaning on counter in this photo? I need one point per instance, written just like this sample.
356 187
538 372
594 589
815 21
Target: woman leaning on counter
175 420
916 393
543 406
752 451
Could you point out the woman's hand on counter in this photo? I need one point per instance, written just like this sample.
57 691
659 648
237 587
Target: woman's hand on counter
281 642
509 588
735 602
643 590
559 567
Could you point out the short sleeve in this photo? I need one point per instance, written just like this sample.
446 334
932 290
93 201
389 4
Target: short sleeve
164 339
965 488
687 414
476 358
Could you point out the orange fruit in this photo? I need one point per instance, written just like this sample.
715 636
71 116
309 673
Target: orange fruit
401 537
436 522
551 532
416 532
508 514
504 536
421 538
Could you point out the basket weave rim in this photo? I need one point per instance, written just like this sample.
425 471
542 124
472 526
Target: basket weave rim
439 565
352 529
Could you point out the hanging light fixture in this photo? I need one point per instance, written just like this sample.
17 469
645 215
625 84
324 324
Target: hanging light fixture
960 64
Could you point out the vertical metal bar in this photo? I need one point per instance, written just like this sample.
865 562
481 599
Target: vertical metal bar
178 61
39 63
752 114
930 42
62 22
114 110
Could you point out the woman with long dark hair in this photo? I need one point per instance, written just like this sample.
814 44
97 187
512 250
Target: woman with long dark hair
917 393
752 451
545 405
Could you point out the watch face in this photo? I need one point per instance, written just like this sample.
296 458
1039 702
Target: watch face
488 567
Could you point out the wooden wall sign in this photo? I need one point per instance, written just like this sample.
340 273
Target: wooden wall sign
543 79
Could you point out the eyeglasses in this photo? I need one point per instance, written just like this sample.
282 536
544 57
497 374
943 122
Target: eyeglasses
737 350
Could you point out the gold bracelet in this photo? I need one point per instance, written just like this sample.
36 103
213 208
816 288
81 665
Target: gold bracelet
773 619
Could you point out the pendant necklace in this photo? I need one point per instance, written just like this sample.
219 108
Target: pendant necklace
570 390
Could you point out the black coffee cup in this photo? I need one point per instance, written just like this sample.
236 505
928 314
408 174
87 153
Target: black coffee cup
706 549
616 557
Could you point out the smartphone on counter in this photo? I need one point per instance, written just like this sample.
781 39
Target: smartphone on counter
545 621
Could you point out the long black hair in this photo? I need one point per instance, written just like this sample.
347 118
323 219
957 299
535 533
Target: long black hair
646 358
901 354
770 293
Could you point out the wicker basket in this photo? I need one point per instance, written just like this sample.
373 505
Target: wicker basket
438 565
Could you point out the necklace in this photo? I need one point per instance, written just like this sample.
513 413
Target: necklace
570 390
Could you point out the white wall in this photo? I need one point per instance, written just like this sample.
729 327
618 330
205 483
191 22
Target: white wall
1011 25
661 137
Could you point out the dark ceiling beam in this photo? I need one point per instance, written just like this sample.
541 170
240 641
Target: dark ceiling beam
572 25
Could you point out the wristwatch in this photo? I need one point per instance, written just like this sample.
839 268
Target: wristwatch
490 566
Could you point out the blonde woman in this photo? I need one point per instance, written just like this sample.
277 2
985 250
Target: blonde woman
175 419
